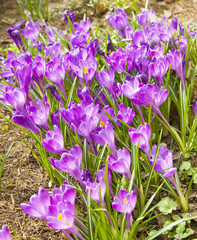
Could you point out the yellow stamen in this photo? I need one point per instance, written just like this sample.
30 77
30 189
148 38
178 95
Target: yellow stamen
86 70
165 32
180 39
125 200
61 218
103 124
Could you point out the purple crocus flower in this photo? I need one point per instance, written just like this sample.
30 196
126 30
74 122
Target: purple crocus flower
177 63
15 34
84 95
143 17
82 26
93 187
117 60
54 50
86 177
81 117
121 163
132 87
125 203
52 36
31 30
164 161
25 121
103 135
62 216
24 76
14 97
151 95
79 39
54 141
16 37
141 136
125 114
4 233
54 92
106 79
70 162
100 176
38 205
38 65
69 14
182 44
120 23
39 113
86 68
55 72
158 69
195 107
55 118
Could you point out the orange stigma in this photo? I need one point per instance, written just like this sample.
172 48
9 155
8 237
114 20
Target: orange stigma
125 200
61 218
86 70
103 124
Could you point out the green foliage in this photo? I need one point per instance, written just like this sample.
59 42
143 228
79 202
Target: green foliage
167 205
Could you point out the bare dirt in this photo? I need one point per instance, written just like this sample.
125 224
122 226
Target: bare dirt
23 175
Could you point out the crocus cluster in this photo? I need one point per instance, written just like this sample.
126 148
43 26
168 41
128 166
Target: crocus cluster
76 94
57 209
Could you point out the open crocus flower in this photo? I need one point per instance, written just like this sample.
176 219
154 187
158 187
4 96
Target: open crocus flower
4 233
54 141
164 161
125 203
141 136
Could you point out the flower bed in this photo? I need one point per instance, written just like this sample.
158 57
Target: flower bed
99 114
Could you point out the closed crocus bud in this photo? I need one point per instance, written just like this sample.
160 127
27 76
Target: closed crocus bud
125 114
164 161
121 163
151 95
141 136
67 14
54 141
105 134
25 121
39 113
106 79
70 162
31 30
4 233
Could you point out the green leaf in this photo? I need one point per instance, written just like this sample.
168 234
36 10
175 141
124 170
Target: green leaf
185 165
161 231
195 178
166 205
